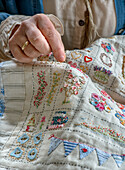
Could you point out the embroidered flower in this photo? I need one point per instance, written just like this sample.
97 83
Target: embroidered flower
78 84
103 98
103 45
69 71
94 102
73 87
108 108
121 106
61 90
95 96
100 107
76 92
70 76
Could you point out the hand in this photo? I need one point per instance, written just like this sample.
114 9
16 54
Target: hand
42 37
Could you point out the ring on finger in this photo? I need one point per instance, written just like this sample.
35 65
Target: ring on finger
24 45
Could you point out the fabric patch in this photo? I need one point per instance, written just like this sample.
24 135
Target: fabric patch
56 79
101 74
31 124
107 47
59 120
75 55
72 85
42 122
37 138
31 156
42 85
23 139
119 159
100 103
102 156
87 59
121 118
85 150
84 68
55 142
106 60
16 153
104 131
69 147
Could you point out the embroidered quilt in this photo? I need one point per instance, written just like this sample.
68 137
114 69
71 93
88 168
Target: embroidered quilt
65 115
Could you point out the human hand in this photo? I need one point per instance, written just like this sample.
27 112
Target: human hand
42 38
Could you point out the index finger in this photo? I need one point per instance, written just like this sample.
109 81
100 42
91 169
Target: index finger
52 36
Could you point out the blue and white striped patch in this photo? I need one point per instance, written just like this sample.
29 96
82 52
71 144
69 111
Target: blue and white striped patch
69 147
102 156
119 159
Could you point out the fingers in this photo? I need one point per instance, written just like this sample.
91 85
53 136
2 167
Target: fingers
29 50
42 37
20 56
52 36
38 41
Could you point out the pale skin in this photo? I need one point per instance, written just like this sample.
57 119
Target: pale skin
42 36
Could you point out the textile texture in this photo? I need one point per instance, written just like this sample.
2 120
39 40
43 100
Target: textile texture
65 115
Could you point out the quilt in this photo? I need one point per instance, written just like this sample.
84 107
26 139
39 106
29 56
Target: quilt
67 115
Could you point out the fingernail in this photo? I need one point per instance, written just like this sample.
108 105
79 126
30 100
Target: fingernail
61 58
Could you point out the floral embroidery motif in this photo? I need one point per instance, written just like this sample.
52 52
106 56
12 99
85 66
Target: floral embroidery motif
72 64
31 124
72 85
105 131
56 79
106 59
40 93
84 68
42 121
106 94
108 48
101 74
121 117
59 120
100 103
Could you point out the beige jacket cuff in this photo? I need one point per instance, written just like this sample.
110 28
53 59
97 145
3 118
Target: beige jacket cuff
7 26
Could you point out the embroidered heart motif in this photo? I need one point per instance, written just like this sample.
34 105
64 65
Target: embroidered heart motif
87 59
75 55
106 59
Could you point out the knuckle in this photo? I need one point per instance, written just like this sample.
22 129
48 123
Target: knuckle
50 34
24 24
40 17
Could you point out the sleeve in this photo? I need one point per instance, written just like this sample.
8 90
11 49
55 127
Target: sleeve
7 26
3 16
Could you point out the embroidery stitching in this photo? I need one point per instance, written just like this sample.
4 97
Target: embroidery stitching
101 74
40 93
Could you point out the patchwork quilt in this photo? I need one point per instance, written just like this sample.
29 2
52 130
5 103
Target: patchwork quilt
65 115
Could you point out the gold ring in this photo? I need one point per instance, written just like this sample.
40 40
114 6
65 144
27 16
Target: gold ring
24 45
